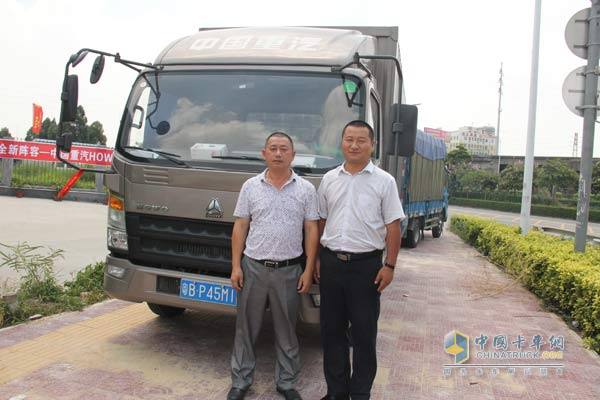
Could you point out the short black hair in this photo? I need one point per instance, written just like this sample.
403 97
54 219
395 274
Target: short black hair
357 123
279 134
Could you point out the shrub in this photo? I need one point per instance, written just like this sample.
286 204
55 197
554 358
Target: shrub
545 264
39 292
88 283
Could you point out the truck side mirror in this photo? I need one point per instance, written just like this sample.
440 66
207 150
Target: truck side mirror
97 69
77 58
64 142
404 129
68 109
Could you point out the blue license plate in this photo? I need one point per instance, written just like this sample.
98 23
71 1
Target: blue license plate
208 292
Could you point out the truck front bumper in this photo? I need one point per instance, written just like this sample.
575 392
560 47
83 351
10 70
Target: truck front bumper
139 283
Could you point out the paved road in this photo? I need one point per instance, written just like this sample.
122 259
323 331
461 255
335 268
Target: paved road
514 219
80 230
77 228
119 350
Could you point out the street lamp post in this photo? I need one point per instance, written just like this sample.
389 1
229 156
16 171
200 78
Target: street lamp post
528 173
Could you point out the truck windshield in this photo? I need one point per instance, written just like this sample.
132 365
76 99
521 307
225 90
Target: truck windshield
221 120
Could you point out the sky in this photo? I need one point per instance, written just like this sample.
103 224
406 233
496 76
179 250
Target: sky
451 53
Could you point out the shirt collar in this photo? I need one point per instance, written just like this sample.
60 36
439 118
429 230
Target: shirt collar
293 177
368 168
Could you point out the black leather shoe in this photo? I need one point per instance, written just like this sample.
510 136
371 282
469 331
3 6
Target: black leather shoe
290 394
236 394
336 397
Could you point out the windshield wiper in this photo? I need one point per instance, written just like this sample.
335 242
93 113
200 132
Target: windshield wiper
163 154
249 158
302 170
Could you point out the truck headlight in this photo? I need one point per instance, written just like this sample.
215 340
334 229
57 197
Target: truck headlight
115 271
116 239
116 212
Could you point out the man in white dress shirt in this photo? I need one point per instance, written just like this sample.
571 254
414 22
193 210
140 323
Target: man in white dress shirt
360 213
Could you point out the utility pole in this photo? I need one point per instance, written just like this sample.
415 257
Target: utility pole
528 173
499 111
590 109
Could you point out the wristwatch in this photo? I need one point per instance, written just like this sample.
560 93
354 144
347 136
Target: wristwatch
387 264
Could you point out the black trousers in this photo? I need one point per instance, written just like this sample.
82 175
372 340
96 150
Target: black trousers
349 297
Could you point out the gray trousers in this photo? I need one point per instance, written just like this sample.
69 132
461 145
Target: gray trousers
279 286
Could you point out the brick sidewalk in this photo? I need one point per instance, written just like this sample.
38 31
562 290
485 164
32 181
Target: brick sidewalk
121 351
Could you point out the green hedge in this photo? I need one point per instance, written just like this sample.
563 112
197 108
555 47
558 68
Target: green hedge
547 265
536 209
515 197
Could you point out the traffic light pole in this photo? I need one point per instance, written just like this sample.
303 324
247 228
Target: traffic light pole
590 110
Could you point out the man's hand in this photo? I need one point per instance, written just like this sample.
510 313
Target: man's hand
237 278
317 271
304 282
384 278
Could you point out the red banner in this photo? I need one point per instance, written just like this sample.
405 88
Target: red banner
437 133
40 151
38 116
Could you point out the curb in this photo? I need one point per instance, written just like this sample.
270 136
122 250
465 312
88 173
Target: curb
44 193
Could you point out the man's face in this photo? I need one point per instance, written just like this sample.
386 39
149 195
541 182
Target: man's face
357 146
278 153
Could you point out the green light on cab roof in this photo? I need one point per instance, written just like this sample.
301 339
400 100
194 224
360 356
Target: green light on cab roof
350 87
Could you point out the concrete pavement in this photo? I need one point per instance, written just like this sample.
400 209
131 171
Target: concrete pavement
77 228
116 350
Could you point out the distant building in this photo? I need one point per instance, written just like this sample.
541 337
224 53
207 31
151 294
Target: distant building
480 141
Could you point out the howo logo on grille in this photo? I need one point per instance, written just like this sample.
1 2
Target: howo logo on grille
151 207
214 210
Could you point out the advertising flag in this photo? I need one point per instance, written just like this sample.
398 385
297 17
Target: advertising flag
38 116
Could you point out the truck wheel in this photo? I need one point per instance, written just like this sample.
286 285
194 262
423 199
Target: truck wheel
165 311
412 237
437 230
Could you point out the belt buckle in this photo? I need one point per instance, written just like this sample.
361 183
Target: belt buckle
271 264
343 256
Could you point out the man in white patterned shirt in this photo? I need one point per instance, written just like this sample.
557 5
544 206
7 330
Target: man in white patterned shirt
272 211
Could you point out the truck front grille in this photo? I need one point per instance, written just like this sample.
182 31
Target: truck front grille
179 244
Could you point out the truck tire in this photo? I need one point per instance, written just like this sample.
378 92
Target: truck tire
412 237
165 311
437 230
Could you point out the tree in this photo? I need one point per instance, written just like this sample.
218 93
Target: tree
596 178
457 161
5 133
94 133
49 131
82 132
556 175
458 157
511 178
472 180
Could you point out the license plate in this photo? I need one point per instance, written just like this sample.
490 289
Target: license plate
208 292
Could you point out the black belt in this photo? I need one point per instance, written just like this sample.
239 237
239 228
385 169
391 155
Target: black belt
280 264
347 257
